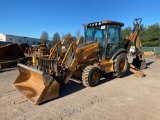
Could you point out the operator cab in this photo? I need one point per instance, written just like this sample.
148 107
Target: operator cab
107 33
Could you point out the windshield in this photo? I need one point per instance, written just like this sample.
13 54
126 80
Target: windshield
96 33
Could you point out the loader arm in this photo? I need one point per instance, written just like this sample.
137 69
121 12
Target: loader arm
54 50
75 55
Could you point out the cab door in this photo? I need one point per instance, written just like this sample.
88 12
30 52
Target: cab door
114 40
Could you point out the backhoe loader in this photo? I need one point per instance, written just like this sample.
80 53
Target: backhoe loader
102 51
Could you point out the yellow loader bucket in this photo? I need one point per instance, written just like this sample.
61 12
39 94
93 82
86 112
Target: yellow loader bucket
36 85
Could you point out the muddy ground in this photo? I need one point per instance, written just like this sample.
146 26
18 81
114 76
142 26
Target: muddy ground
128 98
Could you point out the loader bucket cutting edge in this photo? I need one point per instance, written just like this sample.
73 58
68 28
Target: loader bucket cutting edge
36 85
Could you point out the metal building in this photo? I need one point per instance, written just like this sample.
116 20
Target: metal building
19 39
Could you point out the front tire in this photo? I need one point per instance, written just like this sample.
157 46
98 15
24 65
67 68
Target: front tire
90 76
120 65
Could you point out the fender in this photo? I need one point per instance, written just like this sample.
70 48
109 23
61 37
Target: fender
122 50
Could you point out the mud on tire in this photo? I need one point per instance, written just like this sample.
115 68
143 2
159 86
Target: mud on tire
90 76
120 65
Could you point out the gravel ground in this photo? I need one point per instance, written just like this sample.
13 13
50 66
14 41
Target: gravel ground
128 98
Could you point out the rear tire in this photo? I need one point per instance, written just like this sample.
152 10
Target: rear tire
90 76
120 65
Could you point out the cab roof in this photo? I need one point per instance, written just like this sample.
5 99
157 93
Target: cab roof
105 22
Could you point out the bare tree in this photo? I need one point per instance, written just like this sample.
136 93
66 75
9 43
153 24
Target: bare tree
78 33
82 39
63 36
56 38
44 37
69 39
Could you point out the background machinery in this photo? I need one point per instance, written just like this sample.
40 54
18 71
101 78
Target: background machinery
11 54
103 51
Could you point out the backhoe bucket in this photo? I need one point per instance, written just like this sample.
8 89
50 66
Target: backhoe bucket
36 85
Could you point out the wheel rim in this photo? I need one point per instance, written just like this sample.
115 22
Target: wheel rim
122 65
94 77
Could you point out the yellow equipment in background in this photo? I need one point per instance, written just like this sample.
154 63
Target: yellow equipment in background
34 60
